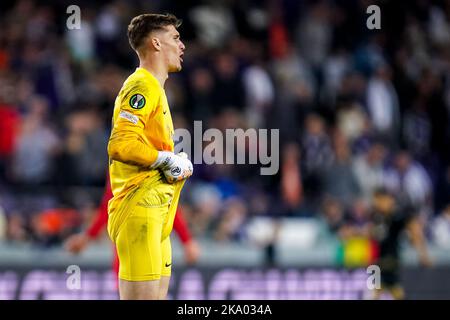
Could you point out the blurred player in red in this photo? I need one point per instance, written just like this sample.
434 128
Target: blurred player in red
78 242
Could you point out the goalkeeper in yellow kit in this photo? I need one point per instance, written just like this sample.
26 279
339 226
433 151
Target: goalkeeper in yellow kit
146 176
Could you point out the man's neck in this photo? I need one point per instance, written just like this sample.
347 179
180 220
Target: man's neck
157 70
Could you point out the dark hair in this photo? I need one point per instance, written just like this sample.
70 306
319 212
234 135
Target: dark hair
140 26
382 191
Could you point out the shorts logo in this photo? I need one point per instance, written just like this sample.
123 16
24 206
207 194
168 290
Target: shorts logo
137 101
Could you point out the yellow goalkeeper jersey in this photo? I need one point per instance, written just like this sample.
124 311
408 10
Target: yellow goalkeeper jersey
142 126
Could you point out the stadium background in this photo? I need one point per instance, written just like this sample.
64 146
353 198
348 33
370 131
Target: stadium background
356 109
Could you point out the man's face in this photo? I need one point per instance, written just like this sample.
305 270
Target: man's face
384 204
172 48
403 161
376 154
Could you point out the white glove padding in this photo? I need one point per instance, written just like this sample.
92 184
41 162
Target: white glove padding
175 167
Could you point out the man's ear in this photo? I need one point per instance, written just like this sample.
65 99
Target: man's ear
156 43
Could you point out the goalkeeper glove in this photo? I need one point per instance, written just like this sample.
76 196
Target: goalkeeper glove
175 167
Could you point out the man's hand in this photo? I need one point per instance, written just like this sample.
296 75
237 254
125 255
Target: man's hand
175 167
425 260
417 237
191 252
76 243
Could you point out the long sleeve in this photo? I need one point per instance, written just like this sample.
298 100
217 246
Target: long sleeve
101 218
181 227
127 147
128 143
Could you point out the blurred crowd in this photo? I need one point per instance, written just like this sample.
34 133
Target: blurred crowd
357 110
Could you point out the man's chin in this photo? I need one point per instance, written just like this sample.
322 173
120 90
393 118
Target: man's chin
175 69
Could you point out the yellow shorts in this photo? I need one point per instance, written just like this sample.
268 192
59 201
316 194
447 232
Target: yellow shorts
143 237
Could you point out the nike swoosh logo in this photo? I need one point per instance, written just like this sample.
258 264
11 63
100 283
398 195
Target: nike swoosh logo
168 265
164 112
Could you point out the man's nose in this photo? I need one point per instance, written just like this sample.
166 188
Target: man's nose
182 46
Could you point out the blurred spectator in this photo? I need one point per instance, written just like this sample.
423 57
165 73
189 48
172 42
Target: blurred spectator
430 104
382 104
214 23
231 221
260 93
314 34
333 213
369 171
359 218
206 200
84 157
291 182
364 140
417 131
81 42
228 90
439 27
339 180
409 180
351 121
442 189
9 126
351 90
317 153
296 87
441 229
316 156
37 144
107 30
17 230
370 59
201 85
335 68
176 96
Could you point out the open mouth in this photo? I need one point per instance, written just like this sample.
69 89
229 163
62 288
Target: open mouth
181 57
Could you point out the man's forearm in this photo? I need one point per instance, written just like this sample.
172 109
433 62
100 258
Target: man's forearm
418 240
419 243
131 150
